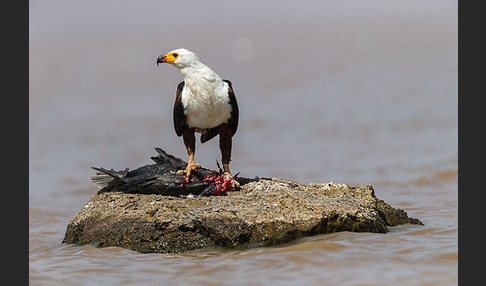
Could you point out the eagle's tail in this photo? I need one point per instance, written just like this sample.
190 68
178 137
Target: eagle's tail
209 134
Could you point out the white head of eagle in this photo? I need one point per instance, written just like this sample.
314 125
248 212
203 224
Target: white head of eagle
179 58
204 103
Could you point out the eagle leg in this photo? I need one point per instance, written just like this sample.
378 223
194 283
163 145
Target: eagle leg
190 142
225 143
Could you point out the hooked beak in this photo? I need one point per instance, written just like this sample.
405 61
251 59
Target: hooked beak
161 59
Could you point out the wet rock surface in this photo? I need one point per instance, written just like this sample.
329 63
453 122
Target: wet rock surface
261 212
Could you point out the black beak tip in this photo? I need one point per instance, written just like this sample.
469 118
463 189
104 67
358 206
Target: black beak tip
160 59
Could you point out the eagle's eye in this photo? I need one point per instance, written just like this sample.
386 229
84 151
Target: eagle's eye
175 55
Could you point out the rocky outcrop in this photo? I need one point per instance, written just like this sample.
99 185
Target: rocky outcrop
260 212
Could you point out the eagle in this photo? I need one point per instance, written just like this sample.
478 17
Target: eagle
205 103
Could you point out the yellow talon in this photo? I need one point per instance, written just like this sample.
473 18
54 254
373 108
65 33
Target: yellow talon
190 167
235 182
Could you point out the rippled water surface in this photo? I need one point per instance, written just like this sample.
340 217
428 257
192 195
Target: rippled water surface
343 91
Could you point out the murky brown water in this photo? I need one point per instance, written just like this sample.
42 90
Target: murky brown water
351 92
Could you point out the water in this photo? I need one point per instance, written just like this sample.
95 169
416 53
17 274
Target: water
355 93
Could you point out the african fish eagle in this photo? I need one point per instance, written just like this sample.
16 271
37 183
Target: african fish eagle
205 103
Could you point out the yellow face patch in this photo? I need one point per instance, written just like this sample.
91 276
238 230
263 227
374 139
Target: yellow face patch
171 57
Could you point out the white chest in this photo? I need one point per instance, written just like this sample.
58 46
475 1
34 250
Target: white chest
206 105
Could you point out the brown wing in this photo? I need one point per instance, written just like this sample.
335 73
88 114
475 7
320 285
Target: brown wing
179 116
233 121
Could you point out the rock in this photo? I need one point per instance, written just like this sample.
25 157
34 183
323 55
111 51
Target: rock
261 212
